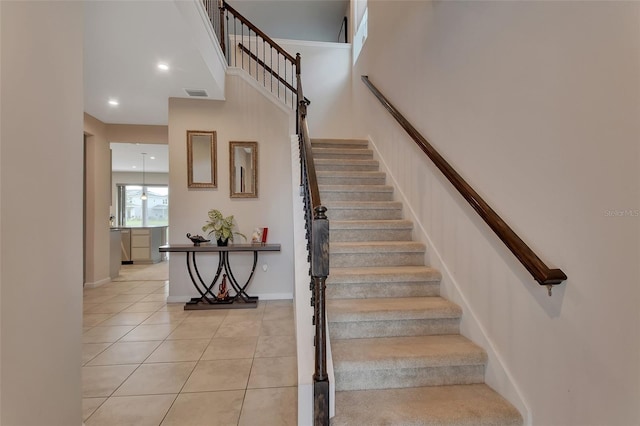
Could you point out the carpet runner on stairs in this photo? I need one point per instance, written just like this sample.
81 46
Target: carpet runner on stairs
397 353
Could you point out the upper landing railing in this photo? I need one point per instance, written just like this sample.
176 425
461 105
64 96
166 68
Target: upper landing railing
536 267
246 46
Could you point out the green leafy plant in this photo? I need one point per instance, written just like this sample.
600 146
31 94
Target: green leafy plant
221 227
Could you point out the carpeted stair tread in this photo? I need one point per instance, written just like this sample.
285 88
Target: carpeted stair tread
371 224
339 143
389 309
405 352
343 153
388 274
363 205
376 247
371 230
356 192
341 164
340 177
344 173
354 188
457 405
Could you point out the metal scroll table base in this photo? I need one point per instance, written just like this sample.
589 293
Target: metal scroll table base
208 299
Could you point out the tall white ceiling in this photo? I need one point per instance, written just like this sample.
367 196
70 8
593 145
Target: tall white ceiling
127 157
125 40
123 43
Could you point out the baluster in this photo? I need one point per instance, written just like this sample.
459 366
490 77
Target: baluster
221 36
235 39
242 41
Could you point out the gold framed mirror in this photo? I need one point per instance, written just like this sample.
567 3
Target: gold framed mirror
201 159
243 169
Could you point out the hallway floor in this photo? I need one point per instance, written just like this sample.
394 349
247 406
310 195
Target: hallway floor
149 363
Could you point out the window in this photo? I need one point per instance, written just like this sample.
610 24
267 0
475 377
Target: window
133 211
362 29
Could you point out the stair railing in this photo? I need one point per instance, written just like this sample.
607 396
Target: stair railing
245 46
532 263
317 226
279 72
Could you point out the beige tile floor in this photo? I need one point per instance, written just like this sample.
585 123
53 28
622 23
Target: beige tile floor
146 362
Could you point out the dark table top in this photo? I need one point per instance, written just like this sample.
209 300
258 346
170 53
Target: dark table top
206 247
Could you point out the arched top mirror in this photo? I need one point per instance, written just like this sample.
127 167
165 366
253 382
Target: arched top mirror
201 159
243 169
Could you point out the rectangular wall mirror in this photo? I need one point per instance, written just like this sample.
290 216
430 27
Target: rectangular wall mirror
201 159
243 169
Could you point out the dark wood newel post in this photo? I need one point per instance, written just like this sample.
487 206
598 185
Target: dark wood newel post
319 272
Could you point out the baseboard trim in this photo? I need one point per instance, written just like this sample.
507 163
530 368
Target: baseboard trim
475 330
98 283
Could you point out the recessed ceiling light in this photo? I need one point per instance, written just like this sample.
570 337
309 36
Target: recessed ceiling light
163 66
153 158
134 167
113 102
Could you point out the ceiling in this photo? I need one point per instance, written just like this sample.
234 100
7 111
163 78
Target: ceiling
127 157
123 43
125 40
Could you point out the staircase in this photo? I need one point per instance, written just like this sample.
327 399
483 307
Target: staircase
397 353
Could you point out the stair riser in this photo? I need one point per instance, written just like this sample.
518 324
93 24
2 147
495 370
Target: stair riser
368 290
355 196
409 377
351 167
391 328
363 214
350 180
343 260
360 235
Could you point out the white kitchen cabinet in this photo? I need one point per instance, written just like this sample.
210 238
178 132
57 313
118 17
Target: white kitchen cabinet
145 243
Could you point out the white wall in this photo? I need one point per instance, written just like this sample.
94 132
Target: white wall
97 200
247 115
41 223
536 104
326 81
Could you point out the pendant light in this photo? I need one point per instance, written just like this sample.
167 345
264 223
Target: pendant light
144 194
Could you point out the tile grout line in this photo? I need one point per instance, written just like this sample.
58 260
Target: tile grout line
229 319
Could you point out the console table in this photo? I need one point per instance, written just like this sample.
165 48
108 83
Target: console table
207 299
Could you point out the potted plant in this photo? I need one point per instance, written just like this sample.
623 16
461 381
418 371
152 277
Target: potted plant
221 227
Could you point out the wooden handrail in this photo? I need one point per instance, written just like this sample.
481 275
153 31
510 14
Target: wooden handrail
259 32
269 70
306 139
536 267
